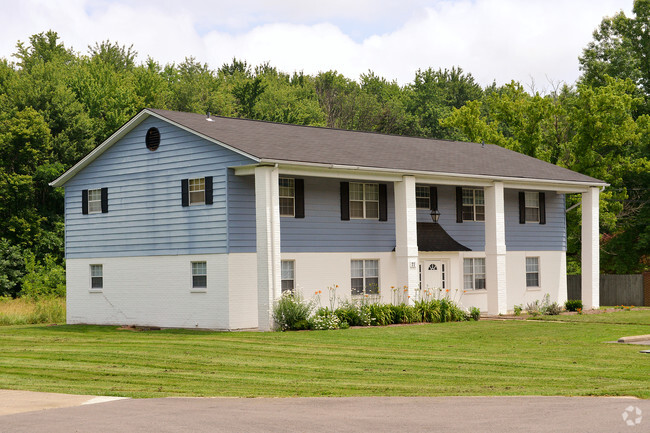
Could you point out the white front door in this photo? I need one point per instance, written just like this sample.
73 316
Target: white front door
433 274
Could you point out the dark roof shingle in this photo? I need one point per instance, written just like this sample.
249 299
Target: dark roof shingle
276 141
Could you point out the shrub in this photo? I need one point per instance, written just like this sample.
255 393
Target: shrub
325 319
12 268
404 313
381 314
533 308
352 314
573 305
475 313
43 279
553 309
428 311
518 310
291 312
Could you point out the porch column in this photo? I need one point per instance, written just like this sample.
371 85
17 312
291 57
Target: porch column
495 250
590 249
267 222
406 235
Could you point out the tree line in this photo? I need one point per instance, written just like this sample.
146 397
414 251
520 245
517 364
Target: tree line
56 105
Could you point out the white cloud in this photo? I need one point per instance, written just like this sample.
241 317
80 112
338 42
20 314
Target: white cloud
493 39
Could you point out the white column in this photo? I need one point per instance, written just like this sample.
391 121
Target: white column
267 213
590 249
406 235
495 250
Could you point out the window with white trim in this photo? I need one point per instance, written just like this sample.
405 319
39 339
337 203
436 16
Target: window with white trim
287 197
365 277
532 271
96 277
473 204
531 207
197 191
288 275
422 197
199 275
474 273
94 201
364 200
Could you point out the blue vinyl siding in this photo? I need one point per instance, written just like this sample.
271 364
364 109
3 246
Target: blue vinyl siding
320 231
519 237
145 216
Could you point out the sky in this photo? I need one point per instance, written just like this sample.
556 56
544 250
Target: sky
535 42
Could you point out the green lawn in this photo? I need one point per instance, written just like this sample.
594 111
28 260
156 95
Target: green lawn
471 358
624 317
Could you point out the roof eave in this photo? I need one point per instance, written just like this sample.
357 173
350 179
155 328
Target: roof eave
521 181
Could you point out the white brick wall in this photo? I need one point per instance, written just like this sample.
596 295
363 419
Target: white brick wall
149 291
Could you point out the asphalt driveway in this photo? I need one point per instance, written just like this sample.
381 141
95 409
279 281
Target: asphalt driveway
362 414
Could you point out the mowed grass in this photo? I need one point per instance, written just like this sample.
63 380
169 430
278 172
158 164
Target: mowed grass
470 358
635 316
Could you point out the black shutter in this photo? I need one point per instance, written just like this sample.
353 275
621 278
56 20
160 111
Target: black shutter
522 207
345 201
459 204
433 197
185 192
208 190
542 208
383 202
104 200
84 202
299 185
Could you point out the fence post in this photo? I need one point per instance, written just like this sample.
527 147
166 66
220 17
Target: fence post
646 288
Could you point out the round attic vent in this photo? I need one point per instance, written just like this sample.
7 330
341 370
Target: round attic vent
152 139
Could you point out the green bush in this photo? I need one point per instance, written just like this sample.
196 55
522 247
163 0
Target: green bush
475 313
573 305
405 314
552 309
43 279
12 268
518 309
428 311
291 312
352 314
325 319
380 314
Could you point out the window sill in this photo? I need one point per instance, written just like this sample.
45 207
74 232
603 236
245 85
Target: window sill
95 290
475 292
533 289
198 290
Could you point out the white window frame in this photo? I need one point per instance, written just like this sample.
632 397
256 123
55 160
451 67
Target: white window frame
196 186
473 205
95 200
93 274
291 188
532 199
195 273
533 272
365 277
285 277
364 200
423 192
474 274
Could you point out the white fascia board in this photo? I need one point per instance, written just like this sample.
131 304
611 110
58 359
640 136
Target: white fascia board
439 178
126 128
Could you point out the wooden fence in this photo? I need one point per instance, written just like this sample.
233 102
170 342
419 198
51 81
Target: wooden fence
614 289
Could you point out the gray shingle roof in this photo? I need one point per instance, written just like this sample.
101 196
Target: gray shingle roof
276 141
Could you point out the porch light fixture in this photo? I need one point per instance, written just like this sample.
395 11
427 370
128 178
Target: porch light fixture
435 214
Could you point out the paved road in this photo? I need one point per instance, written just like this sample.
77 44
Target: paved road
380 414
